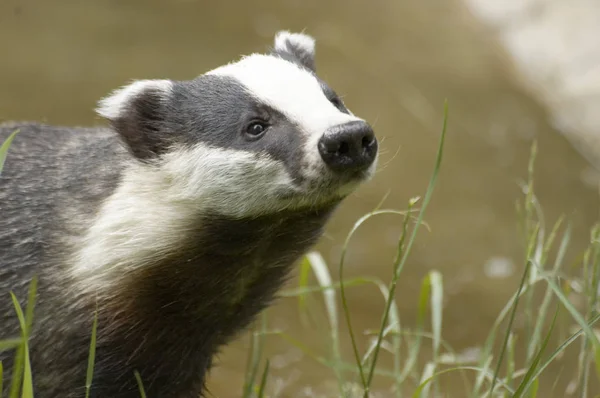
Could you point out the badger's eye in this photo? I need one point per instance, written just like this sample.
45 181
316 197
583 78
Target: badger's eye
256 129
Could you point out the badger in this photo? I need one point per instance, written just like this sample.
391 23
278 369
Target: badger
174 225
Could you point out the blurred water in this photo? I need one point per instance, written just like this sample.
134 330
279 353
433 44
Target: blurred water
394 62
554 48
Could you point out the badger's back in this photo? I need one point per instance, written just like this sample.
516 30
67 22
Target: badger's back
53 182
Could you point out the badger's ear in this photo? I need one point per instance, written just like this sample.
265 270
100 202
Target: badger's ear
137 112
297 46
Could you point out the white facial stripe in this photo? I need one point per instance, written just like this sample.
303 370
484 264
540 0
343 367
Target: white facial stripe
288 88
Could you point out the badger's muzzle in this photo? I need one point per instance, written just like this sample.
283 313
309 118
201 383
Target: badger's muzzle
349 147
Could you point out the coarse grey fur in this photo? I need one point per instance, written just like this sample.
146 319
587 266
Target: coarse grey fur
163 311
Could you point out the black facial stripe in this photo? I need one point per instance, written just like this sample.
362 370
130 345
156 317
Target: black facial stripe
216 110
285 142
332 96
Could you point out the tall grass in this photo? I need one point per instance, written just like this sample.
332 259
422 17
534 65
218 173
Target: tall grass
498 372
542 296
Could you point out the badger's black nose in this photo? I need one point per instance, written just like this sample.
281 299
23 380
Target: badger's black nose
348 147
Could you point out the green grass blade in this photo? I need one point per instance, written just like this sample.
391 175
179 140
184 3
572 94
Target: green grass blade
595 286
394 329
140 384
393 326
509 327
510 362
589 333
450 357
415 346
428 372
551 238
485 369
19 312
346 310
401 260
27 378
1 377
528 378
256 353
486 354
303 284
437 295
529 198
4 148
10 344
25 322
20 353
535 386
397 347
91 356
249 362
27 391
369 351
321 271
480 371
563 346
263 381
346 366
543 309
30 305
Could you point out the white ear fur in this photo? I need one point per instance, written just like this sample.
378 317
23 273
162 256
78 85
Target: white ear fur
301 41
113 106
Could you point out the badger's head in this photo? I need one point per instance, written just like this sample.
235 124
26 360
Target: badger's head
253 137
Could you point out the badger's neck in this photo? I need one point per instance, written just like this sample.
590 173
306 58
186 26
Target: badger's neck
153 216
174 284
224 270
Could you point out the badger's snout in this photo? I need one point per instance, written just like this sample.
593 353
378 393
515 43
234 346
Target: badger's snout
349 147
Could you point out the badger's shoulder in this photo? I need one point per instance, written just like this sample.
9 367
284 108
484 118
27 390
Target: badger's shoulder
58 160
53 179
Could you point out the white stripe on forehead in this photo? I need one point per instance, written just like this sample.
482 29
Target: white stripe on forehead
288 88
